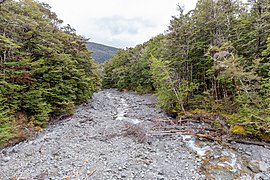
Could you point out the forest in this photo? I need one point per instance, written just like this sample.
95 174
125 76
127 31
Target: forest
45 69
212 61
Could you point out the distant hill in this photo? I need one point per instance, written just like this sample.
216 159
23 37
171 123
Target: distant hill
101 53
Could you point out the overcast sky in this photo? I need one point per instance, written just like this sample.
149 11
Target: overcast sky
118 23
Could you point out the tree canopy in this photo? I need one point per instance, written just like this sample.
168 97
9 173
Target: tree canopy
45 68
213 58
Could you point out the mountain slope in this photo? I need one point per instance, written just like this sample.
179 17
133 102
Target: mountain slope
101 53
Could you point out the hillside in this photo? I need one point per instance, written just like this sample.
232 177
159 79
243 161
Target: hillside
101 53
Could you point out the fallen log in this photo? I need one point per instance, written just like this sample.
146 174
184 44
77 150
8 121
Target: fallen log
174 131
263 144
164 133
91 173
207 136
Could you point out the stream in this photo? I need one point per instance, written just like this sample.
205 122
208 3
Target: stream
116 135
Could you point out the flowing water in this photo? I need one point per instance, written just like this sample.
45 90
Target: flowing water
219 162
79 148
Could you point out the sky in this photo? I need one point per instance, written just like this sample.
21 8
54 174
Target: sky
118 23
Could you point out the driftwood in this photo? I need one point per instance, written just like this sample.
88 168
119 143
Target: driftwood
91 173
252 123
212 138
213 134
167 134
197 119
207 136
165 120
171 132
40 149
178 120
189 120
264 144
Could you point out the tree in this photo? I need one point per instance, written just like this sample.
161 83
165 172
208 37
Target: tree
215 58
45 68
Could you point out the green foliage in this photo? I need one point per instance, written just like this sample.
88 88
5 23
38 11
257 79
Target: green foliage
130 69
167 93
38 108
215 57
44 69
266 52
6 127
251 121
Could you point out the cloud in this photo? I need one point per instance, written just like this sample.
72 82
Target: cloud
120 25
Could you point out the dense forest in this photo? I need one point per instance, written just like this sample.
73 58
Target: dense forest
213 60
45 68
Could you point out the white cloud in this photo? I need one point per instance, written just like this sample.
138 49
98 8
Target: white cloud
118 23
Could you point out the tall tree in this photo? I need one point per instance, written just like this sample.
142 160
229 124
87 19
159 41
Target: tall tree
44 69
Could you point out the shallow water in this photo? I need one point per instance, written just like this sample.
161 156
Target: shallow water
122 113
218 162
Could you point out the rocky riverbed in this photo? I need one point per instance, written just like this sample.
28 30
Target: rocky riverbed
116 136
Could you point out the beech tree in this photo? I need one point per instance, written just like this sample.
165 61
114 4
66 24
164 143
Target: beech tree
214 58
45 68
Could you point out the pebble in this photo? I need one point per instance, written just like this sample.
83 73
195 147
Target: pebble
6 159
4 152
110 155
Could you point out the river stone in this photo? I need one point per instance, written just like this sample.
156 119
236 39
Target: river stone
104 149
6 159
221 174
261 176
245 177
265 155
254 165
264 166
259 166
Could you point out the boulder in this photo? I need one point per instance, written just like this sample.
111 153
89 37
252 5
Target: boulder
259 166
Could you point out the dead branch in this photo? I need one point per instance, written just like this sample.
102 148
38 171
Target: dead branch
176 132
264 144
40 149
207 136
165 134
91 173
178 120
252 123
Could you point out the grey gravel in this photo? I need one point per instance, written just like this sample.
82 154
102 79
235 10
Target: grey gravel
107 138
258 158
